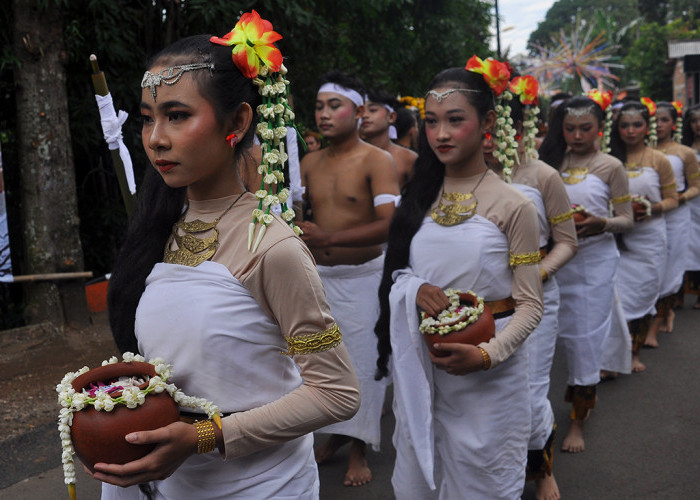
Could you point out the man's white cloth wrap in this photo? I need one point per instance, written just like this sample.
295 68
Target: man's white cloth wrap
112 130
354 96
382 199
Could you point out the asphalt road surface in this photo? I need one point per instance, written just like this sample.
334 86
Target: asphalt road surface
642 440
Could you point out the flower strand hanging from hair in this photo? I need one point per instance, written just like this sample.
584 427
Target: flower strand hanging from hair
651 106
678 127
603 99
526 88
258 59
497 75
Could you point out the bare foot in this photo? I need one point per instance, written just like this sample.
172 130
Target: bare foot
670 319
326 451
358 472
651 339
546 488
605 375
637 365
573 442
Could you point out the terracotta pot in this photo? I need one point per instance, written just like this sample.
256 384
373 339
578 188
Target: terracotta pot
98 436
480 331
639 211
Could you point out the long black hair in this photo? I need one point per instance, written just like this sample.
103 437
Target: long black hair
688 135
553 147
617 146
417 196
159 206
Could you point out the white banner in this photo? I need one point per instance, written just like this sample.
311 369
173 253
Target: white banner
5 262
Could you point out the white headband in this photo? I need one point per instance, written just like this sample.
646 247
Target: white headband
350 94
393 135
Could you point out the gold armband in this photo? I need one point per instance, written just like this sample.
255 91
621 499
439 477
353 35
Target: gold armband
694 176
670 185
621 199
485 359
206 439
558 219
524 259
314 342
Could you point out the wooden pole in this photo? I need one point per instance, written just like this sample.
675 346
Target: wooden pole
100 84
52 276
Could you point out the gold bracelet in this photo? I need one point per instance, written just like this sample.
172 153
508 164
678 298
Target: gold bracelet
206 439
485 358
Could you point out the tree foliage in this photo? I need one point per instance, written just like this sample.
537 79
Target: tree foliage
395 44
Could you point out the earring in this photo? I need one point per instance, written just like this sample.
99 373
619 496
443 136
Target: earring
487 136
232 139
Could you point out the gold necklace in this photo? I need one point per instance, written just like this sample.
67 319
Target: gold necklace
455 212
634 169
191 249
574 175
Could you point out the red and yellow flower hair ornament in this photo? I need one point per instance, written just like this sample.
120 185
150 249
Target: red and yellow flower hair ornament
255 55
526 88
497 75
253 45
651 106
603 98
678 129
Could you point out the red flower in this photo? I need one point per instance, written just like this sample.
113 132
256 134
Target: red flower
651 105
253 45
496 74
526 87
603 98
678 105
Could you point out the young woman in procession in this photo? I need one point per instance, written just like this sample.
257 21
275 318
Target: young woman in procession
691 138
558 244
462 420
198 285
643 248
678 221
594 182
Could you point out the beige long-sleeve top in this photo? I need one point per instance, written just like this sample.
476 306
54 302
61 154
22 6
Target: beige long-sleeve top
516 216
691 168
537 174
282 277
658 161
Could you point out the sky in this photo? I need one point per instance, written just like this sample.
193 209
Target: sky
518 20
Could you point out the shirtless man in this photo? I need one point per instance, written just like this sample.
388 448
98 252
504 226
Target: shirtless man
351 186
377 127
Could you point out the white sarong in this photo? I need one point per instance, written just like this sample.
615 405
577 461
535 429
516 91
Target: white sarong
456 436
643 258
352 293
226 349
586 289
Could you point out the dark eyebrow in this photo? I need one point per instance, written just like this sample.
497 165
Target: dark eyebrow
165 106
332 99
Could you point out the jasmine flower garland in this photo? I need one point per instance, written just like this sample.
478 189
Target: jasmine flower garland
506 145
607 128
456 317
530 132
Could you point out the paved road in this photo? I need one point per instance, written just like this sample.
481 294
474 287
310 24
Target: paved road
642 440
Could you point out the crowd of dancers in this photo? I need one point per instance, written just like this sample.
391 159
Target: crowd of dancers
579 239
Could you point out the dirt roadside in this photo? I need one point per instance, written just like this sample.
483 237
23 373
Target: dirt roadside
34 359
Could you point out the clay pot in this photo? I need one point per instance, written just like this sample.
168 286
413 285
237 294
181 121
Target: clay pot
639 211
98 436
480 331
